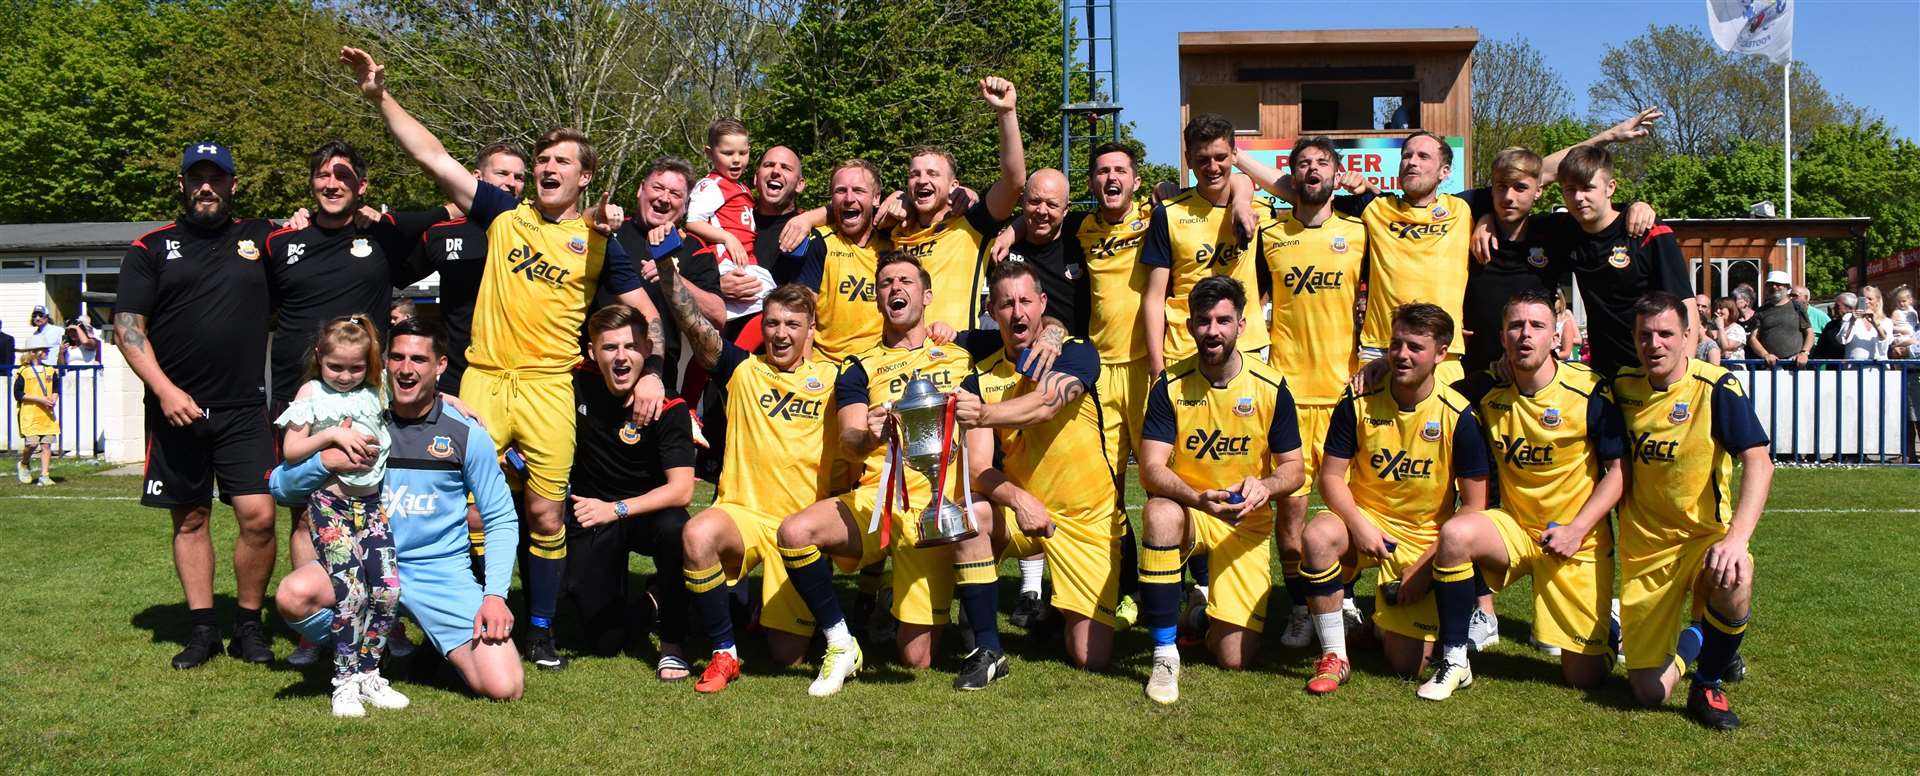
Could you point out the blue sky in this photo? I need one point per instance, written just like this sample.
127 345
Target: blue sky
1867 51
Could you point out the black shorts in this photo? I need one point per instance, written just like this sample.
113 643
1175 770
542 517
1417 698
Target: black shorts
233 447
597 574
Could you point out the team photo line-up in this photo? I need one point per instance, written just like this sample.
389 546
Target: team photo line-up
912 387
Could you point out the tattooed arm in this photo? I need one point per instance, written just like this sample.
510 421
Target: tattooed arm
178 407
700 333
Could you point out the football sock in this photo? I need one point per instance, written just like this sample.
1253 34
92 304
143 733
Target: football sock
479 541
1332 628
1295 583
976 585
546 564
1160 594
1032 572
242 614
1453 600
812 578
1197 566
709 589
1129 564
1687 647
1722 642
199 617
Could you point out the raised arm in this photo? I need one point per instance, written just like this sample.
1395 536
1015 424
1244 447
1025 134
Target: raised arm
1005 194
1632 128
448 173
700 333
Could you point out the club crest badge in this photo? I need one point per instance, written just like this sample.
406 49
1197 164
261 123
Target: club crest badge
248 250
1440 211
1243 407
1431 431
1536 257
936 353
1339 244
629 433
1136 224
1680 414
578 245
814 384
361 248
1551 417
1619 259
442 447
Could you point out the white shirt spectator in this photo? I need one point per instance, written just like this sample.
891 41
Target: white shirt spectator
1863 339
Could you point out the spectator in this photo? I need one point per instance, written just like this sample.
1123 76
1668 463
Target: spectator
1708 349
1733 336
1905 321
43 327
1780 328
79 345
1864 332
1830 341
36 397
1816 317
402 310
1566 337
6 348
1744 296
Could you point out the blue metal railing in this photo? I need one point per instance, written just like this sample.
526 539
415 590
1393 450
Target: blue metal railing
1836 411
79 410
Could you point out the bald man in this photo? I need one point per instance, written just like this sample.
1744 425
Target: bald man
1060 265
777 184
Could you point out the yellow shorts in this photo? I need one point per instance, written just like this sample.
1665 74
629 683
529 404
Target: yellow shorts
1314 422
1572 599
1123 404
1416 620
922 576
532 413
1240 565
1653 599
781 607
1083 557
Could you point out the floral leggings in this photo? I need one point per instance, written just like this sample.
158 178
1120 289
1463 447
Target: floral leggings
355 544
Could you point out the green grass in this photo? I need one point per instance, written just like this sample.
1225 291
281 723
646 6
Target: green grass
91 612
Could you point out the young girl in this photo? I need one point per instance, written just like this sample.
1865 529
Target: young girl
36 392
340 407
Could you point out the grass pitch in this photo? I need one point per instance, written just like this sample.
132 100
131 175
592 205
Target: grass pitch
91 612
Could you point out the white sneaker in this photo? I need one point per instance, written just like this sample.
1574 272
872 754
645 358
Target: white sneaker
1483 629
1446 678
1299 632
838 664
1352 616
20 471
375 690
44 481
1163 685
346 698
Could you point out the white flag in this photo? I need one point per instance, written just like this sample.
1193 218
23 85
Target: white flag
1763 27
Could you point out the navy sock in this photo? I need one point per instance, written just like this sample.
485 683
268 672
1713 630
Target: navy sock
1722 642
1129 564
1197 566
980 602
714 601
546 566
1453 598
199 617
812 577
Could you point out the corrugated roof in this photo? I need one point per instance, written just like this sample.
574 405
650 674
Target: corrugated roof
78 236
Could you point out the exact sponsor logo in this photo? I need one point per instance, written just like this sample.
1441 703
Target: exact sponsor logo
1646 449
856 289
1308 280
1520 453
790 406
534 266
1398 466
401 503
1215 255
1214 444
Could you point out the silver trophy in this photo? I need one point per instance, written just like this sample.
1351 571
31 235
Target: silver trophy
926 426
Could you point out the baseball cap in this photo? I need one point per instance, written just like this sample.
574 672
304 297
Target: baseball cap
207 152
1779 277
40 310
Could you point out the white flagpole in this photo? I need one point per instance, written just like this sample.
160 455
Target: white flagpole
1786 101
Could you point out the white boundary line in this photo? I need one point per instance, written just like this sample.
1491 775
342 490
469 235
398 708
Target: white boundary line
1130 509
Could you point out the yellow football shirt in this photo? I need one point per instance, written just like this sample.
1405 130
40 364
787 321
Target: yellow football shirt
1222 435
1404 462
1119 282
36 381
1681 444
1415 254
880 375
779 428
1316 278
848 318
951 252
1194 238
1061 461
1548 446
540 277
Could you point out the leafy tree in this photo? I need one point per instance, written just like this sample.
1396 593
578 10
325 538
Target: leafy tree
1515 94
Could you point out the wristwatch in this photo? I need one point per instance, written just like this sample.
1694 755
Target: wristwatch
620 509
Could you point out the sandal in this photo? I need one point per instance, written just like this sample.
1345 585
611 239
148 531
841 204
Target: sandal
672 663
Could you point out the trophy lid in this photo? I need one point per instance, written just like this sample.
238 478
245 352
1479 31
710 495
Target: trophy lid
920 393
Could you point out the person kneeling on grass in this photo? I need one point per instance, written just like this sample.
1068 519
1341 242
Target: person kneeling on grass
339 408
437 457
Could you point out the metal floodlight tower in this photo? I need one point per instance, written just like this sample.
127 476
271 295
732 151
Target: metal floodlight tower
1089 96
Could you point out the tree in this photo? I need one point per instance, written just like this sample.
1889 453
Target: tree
1857 169
1712 98
1515 94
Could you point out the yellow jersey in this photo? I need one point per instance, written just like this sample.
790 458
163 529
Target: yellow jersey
1222 435
540 277
1681 444
34 380
780 428
1078 483
1548 446
880 375
1119 281
847 318
1194 238
1415 254
1404 462
1316 279
951 251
